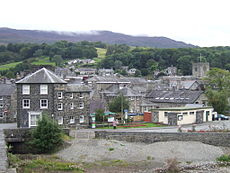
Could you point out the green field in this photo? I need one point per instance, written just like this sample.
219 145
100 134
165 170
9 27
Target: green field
101 54
43 61
8 66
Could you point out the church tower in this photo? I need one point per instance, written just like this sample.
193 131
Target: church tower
200 69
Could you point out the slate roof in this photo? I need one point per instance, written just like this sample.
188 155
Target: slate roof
41 76
188 84
180 96
127 92
114 79
7 89
77 88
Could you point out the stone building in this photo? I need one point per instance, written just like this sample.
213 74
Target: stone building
200 69
7 103
44 92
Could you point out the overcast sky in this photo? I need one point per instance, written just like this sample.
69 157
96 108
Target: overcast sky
199 22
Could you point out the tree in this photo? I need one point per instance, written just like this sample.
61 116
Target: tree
58 60
137 73
218 100
217 92
99 115
118 104
46 137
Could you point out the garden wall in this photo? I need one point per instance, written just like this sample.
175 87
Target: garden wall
212 138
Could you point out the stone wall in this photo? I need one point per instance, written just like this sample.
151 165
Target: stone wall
212 138
19 138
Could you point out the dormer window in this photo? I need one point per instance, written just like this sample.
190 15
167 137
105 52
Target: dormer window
43 89
25 89
81 95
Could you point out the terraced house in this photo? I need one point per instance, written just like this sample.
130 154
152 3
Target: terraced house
44 92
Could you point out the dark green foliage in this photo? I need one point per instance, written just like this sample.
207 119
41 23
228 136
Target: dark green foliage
224 158
149 59
118 104
46 137
217 91
99 115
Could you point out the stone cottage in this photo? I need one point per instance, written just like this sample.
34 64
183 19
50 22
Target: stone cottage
44 92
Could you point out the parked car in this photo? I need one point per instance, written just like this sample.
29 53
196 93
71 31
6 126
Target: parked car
221 117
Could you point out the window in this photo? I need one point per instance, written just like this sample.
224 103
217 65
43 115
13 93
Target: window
1 105
81 119
71 120
34 118
81 105
60 120
25 89
43 89
1 98
166 114
59 95
59 106
191 113
180 117
71 105
185 113
26 103
81 95
71 95
1 114
44 104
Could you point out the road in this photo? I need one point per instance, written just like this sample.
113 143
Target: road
204 126
8 126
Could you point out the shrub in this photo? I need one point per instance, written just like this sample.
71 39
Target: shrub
172 166
47 136
224 158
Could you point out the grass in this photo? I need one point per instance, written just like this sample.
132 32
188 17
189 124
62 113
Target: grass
143 125
43 61
101 54
47 163
8 66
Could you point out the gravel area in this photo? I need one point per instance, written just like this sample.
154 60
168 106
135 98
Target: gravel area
83 150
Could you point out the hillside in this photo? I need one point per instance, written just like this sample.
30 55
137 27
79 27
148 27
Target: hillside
8 35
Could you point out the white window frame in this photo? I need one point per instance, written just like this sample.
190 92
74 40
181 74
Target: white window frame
1 105
71 120
44 107
23 104
71 96
59 96
81 105
60 120
1 97
71 105
37 114
61 106
25 89
44 89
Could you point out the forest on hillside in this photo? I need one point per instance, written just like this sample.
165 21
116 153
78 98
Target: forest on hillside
146 60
